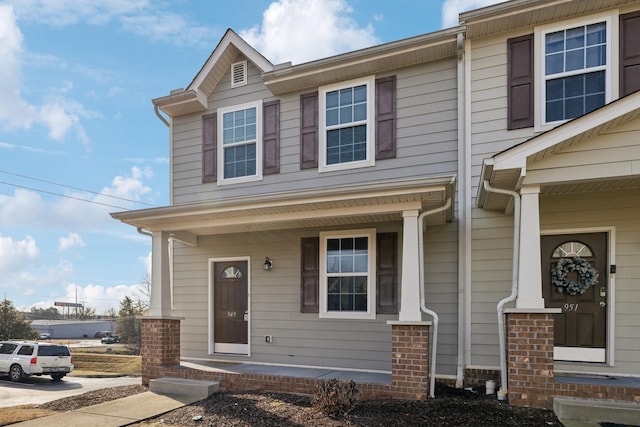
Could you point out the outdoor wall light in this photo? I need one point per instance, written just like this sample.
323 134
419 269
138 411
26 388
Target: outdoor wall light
268 265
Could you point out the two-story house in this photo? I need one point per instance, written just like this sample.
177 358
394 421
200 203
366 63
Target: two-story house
461 205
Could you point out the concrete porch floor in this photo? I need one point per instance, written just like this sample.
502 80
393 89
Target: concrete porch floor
289 371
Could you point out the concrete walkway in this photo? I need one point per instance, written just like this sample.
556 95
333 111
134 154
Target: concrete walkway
119 412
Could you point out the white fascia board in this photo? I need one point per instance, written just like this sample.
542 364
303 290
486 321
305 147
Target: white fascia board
247 50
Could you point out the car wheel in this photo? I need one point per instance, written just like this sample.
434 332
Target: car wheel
57 377
15 373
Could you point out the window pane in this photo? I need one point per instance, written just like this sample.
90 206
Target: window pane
575 60
593 102
596 56
574 86
554 64
346 303
361 263
360 112
575 38
227 136
346 96
554 89
555 111
227 120
554 42
360 285
332 117
596 34
360 303
346 285
574 107
332 99
346 264
360 94
333 285
333 302
346 115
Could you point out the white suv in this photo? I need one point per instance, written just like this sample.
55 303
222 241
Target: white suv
20 359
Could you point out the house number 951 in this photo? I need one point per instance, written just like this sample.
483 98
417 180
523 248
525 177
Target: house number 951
570 307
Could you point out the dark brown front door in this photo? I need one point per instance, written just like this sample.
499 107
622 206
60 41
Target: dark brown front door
580 330
230 306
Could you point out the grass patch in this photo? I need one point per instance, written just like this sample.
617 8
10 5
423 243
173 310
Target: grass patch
108 364
17 414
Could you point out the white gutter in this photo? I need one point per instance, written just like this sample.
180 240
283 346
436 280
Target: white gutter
144 232
514 281
423 307
160 116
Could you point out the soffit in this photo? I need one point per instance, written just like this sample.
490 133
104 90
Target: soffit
382 203
517 14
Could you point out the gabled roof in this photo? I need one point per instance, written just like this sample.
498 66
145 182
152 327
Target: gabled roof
516 14
194 97
508 169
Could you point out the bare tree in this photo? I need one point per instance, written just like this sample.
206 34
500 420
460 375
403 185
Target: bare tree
142 295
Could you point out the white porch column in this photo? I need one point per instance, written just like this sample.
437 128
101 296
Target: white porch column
160 282
529 274
410 288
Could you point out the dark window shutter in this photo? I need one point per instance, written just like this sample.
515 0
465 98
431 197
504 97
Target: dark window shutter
310 275
209 139
520 82
387 273
629 53
271 137
386 118
309 130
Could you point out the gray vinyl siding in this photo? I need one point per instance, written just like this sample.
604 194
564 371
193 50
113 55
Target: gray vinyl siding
304 338
426 137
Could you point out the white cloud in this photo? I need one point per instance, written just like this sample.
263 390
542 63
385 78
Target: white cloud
70 241
28 208
144 18
14 254
303 30
452 8
100 297
59 114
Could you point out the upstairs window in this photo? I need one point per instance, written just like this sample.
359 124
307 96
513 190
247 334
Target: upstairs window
346 125
575 70
240 143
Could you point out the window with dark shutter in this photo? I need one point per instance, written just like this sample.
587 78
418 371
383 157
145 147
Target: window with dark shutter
209 135
520 82
309 130
386 118
310 275
387 273
629 53
271 137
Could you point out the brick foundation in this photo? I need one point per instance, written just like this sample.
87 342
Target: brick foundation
160 346
410 360
530 359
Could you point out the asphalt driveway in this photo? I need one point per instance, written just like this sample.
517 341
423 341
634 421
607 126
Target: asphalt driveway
37 390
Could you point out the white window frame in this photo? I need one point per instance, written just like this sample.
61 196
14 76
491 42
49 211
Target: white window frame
370 122
370 313
611 68
220 144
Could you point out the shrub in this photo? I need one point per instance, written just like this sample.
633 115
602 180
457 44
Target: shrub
334 397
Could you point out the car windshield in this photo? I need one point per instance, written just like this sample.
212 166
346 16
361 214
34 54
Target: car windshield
53 350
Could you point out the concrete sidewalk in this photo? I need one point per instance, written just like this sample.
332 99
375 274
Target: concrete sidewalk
119 412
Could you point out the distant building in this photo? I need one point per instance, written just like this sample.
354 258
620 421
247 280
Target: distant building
73 328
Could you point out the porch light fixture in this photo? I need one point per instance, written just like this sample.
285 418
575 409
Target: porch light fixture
268 265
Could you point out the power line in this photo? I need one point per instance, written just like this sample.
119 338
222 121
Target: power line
73 188
63 195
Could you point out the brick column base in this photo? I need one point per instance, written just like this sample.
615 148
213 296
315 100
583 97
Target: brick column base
530 358
160 346
410 360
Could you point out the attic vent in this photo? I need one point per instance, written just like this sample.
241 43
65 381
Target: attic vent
239 74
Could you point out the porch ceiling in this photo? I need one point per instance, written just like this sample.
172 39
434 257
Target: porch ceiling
380 202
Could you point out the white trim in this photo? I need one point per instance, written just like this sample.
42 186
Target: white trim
370 123
370 233
579 354
213 347
611 67
220 143
243 71
609 358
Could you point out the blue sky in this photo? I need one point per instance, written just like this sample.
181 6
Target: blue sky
76 120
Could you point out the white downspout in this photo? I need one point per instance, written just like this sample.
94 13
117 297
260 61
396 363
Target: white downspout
423 307
514 280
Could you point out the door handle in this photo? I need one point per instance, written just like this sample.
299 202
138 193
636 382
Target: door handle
603 304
